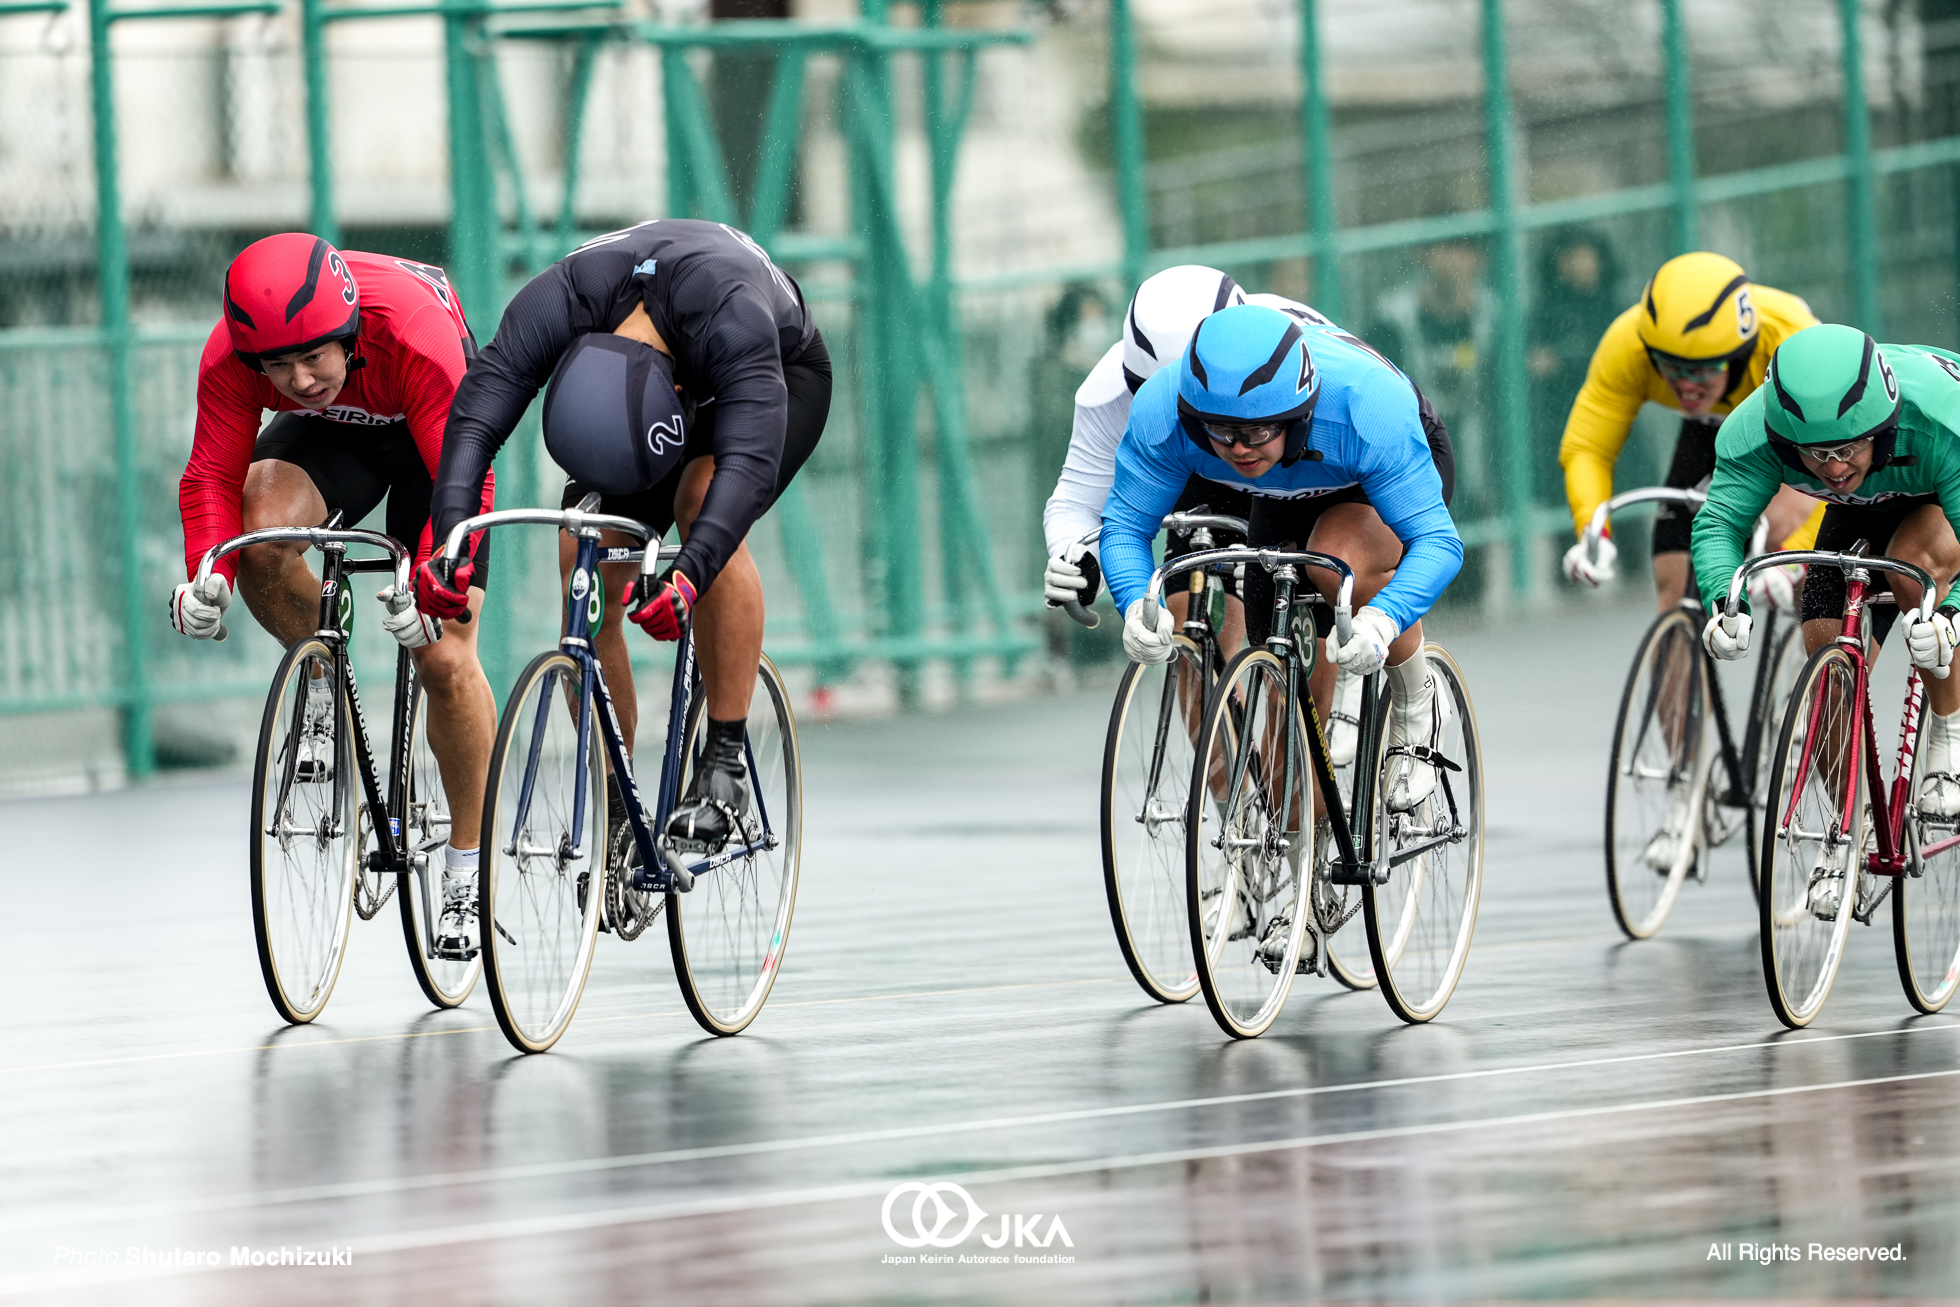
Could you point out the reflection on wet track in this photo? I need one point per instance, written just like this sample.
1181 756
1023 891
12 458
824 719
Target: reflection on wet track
1589 1117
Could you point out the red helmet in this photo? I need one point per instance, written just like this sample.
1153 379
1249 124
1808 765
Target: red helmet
289 292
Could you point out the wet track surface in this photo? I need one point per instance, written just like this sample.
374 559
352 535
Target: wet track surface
1587 1118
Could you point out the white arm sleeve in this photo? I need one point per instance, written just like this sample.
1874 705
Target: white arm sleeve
1102 410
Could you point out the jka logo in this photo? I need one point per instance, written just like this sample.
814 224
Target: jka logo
934 1221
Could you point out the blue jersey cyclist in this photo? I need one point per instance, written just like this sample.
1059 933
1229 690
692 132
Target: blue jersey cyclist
1338 455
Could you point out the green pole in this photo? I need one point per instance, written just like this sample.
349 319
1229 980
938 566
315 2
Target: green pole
1320 165
1507 278
472 220
1128 122
112 259
1858 150
1680 128
319 141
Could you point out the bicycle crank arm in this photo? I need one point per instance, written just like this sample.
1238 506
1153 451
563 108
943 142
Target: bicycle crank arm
1453 836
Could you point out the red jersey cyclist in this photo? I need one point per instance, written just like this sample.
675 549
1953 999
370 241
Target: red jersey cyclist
358 356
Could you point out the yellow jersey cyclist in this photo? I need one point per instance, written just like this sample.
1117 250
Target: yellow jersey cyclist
1697 342
1873 431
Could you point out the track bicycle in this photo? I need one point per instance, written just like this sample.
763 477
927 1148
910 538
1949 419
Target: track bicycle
1836 838
1146 770
550 869
1278 857
1674 789
320 856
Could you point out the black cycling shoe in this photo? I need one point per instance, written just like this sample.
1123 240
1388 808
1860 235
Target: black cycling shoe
718 795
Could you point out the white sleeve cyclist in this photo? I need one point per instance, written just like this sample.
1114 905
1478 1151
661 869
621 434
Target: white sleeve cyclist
1102 410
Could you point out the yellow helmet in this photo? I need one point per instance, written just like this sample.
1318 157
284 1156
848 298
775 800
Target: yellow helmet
1698 307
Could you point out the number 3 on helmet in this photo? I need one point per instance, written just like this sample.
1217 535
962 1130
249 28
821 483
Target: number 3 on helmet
288 293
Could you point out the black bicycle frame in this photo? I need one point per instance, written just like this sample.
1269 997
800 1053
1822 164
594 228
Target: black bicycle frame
660 871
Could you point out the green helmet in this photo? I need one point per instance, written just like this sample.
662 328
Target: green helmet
1829 385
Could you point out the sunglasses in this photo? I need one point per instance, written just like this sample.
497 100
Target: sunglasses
1252 435
1835 454
1680 369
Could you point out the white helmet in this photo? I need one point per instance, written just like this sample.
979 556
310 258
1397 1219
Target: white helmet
1166 309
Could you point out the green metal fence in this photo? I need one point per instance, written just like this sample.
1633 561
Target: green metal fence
912 538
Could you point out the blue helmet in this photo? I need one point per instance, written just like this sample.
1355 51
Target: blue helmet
1249 363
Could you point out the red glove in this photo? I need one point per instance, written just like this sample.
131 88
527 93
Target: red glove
663 612
443 592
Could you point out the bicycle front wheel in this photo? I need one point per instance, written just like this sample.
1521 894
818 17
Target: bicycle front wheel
306 843
1811 852
540 873
445 982
1421 918
728 932
1146 783
1651 785
1926 903
1248 830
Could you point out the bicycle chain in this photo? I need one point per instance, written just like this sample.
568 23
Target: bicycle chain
627 918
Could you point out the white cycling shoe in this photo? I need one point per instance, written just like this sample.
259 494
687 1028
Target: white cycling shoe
1418 718
315 760
1344 721
1939 790
456 932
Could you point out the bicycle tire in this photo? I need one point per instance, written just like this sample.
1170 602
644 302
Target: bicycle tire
1143 824
1667 662
425 830
1803 917
1421 920
302 885
1258 882
537 929
1926 903
728 933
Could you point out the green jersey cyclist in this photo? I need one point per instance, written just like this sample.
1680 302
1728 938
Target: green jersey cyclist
1873 431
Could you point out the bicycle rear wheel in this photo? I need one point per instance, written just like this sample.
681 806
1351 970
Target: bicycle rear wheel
1421 919
1146 784
1810 859
729 931
445 982
1655 775
1926 903
305 840
1248 829
538 925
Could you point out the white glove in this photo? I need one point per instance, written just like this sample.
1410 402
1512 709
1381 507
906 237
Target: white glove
1366 649
1931 644
1727 638
1591 571
1775 587
1072 574
1143 644
199 611
411 628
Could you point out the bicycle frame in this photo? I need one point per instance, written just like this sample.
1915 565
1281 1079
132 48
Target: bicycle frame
1888 805
391 855
661 870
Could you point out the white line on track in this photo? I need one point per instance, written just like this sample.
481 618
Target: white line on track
586 1166
580 1222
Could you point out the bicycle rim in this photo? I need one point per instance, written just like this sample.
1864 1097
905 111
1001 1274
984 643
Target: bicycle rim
537 922
728 933
1146 785
1244 845
425 830
1421 920
305 843
1654 779
1926 904
1805 912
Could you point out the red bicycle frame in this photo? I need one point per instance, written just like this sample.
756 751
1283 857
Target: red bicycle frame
1888 806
